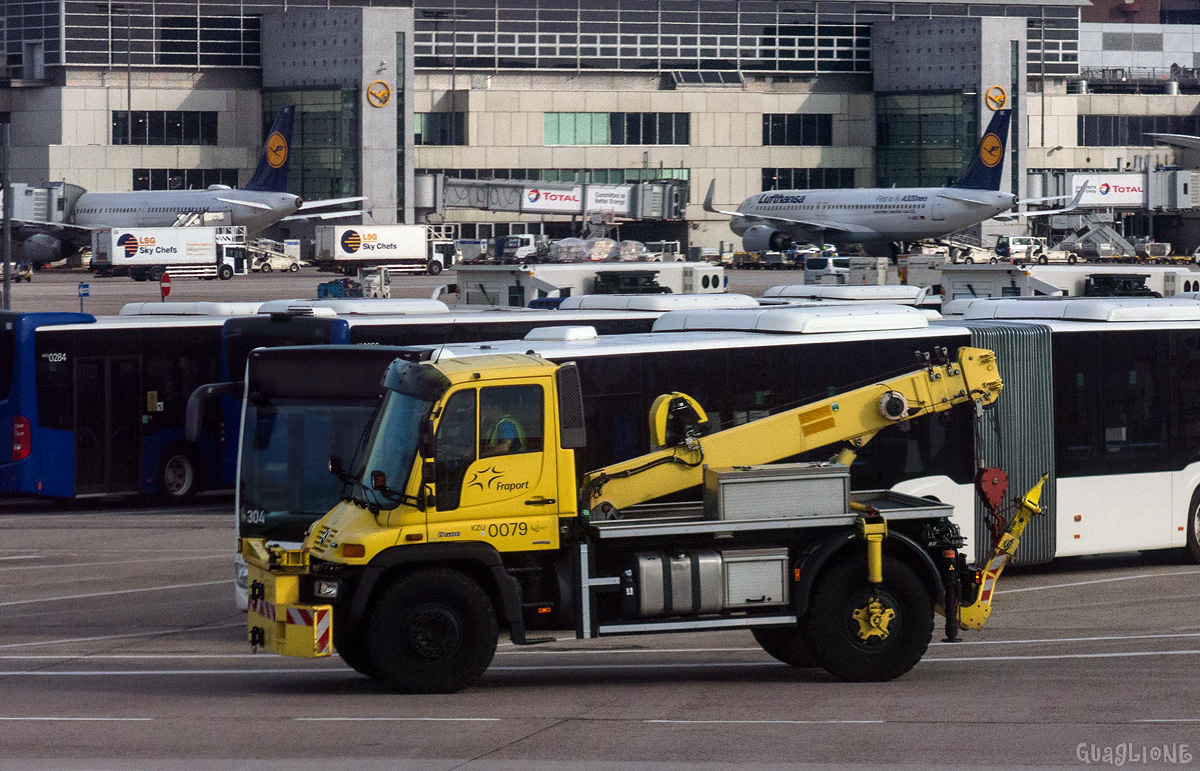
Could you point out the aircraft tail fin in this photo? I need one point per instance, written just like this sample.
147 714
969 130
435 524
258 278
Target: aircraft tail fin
987 166
270 176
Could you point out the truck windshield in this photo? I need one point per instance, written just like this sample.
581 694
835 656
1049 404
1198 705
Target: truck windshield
390 446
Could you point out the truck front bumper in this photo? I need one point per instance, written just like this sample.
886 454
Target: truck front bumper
276 620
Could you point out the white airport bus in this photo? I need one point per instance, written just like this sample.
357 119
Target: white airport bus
1101 394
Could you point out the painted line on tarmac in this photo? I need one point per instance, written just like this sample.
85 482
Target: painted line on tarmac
159 633
769 722
140 561
82 719
1097 581
23 557
1050 656
1109 638
177 672
110 594
397 719
1168 720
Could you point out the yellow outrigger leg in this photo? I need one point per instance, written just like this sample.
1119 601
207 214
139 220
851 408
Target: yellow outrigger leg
974 615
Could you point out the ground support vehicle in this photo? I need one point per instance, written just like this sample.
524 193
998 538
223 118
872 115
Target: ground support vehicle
348 248
446 533
519 285
145 254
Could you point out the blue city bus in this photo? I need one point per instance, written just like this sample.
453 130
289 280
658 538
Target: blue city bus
96 404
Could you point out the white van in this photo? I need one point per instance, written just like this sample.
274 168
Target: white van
826 268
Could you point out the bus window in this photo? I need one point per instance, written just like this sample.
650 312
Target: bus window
7 352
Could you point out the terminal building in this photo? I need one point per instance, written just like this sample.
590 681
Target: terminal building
754 94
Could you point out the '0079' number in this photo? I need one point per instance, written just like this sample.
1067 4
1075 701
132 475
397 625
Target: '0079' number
507 528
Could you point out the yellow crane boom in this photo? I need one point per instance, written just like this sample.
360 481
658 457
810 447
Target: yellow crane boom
853 417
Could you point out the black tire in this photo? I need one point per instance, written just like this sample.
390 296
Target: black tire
1072 259
433 631
265 267
833 633
1193 528
785 643
351 646
294 267
156 273
225 272
993 260
179 474
969 260
1042 259
434 268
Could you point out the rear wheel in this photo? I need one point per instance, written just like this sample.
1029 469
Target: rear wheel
178 474
785 643
859 637
265 267
433 631
1072 259
969 260
294 267
1193 528
993 261
156 273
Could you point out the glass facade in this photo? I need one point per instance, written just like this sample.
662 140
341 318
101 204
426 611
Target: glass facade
602 176
923 140
616 128
440 128
1126 130
324 156
797 130
183 179
807 179
165 127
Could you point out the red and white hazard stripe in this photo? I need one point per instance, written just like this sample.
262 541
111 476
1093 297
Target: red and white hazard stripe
262 608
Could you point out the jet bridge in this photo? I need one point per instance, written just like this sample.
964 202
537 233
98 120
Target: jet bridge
657 200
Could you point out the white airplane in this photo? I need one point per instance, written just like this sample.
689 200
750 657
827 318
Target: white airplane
261 203
778 219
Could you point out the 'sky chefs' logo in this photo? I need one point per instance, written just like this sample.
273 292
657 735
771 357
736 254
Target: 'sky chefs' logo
352 241
550 196
129 242
277 150
492 479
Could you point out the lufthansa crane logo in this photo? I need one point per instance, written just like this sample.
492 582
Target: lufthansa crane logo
129 243
351 241
379 94
991 149
277 150
996 98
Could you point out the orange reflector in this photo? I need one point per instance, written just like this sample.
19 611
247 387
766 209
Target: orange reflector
796 575
354 550
1180 529
1077 536
949 554
1078 518
544 609
413 537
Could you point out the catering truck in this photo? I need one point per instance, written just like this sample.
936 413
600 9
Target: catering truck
147 253
461 514
348 248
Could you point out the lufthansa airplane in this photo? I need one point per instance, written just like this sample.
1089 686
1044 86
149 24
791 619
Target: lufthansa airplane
261 203
775 220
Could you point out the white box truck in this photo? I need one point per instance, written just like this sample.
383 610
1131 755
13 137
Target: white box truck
147 253
347 248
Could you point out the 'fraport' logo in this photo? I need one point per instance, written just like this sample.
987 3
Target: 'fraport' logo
991 150
351 241
129 243
277 150
1105 188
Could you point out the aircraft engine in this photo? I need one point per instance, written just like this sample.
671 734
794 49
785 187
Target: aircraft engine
764 238
41 249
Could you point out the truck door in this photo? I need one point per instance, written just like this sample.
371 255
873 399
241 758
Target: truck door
495 481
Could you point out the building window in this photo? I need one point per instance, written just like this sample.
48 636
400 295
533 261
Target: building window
924 140
323 161
1131 130
440 128
183 179
586 176
815 130
807 179
165 127
616 128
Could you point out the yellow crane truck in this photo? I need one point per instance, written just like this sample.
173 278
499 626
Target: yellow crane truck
462 515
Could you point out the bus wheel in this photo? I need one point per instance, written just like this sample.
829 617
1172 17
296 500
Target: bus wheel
435 267
785 643
351 645
859 638
1193 528
178 474
433 631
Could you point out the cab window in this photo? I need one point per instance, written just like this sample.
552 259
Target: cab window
455 448
510 420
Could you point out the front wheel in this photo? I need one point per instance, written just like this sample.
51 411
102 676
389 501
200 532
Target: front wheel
178 475
993 261
433 631
351 646
294 267
785 643
266 267
225 272
1193 528
968 260
1072 259
435 267
861 637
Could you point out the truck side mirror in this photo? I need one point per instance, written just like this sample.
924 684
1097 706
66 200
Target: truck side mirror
427 440
572 430
335 466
